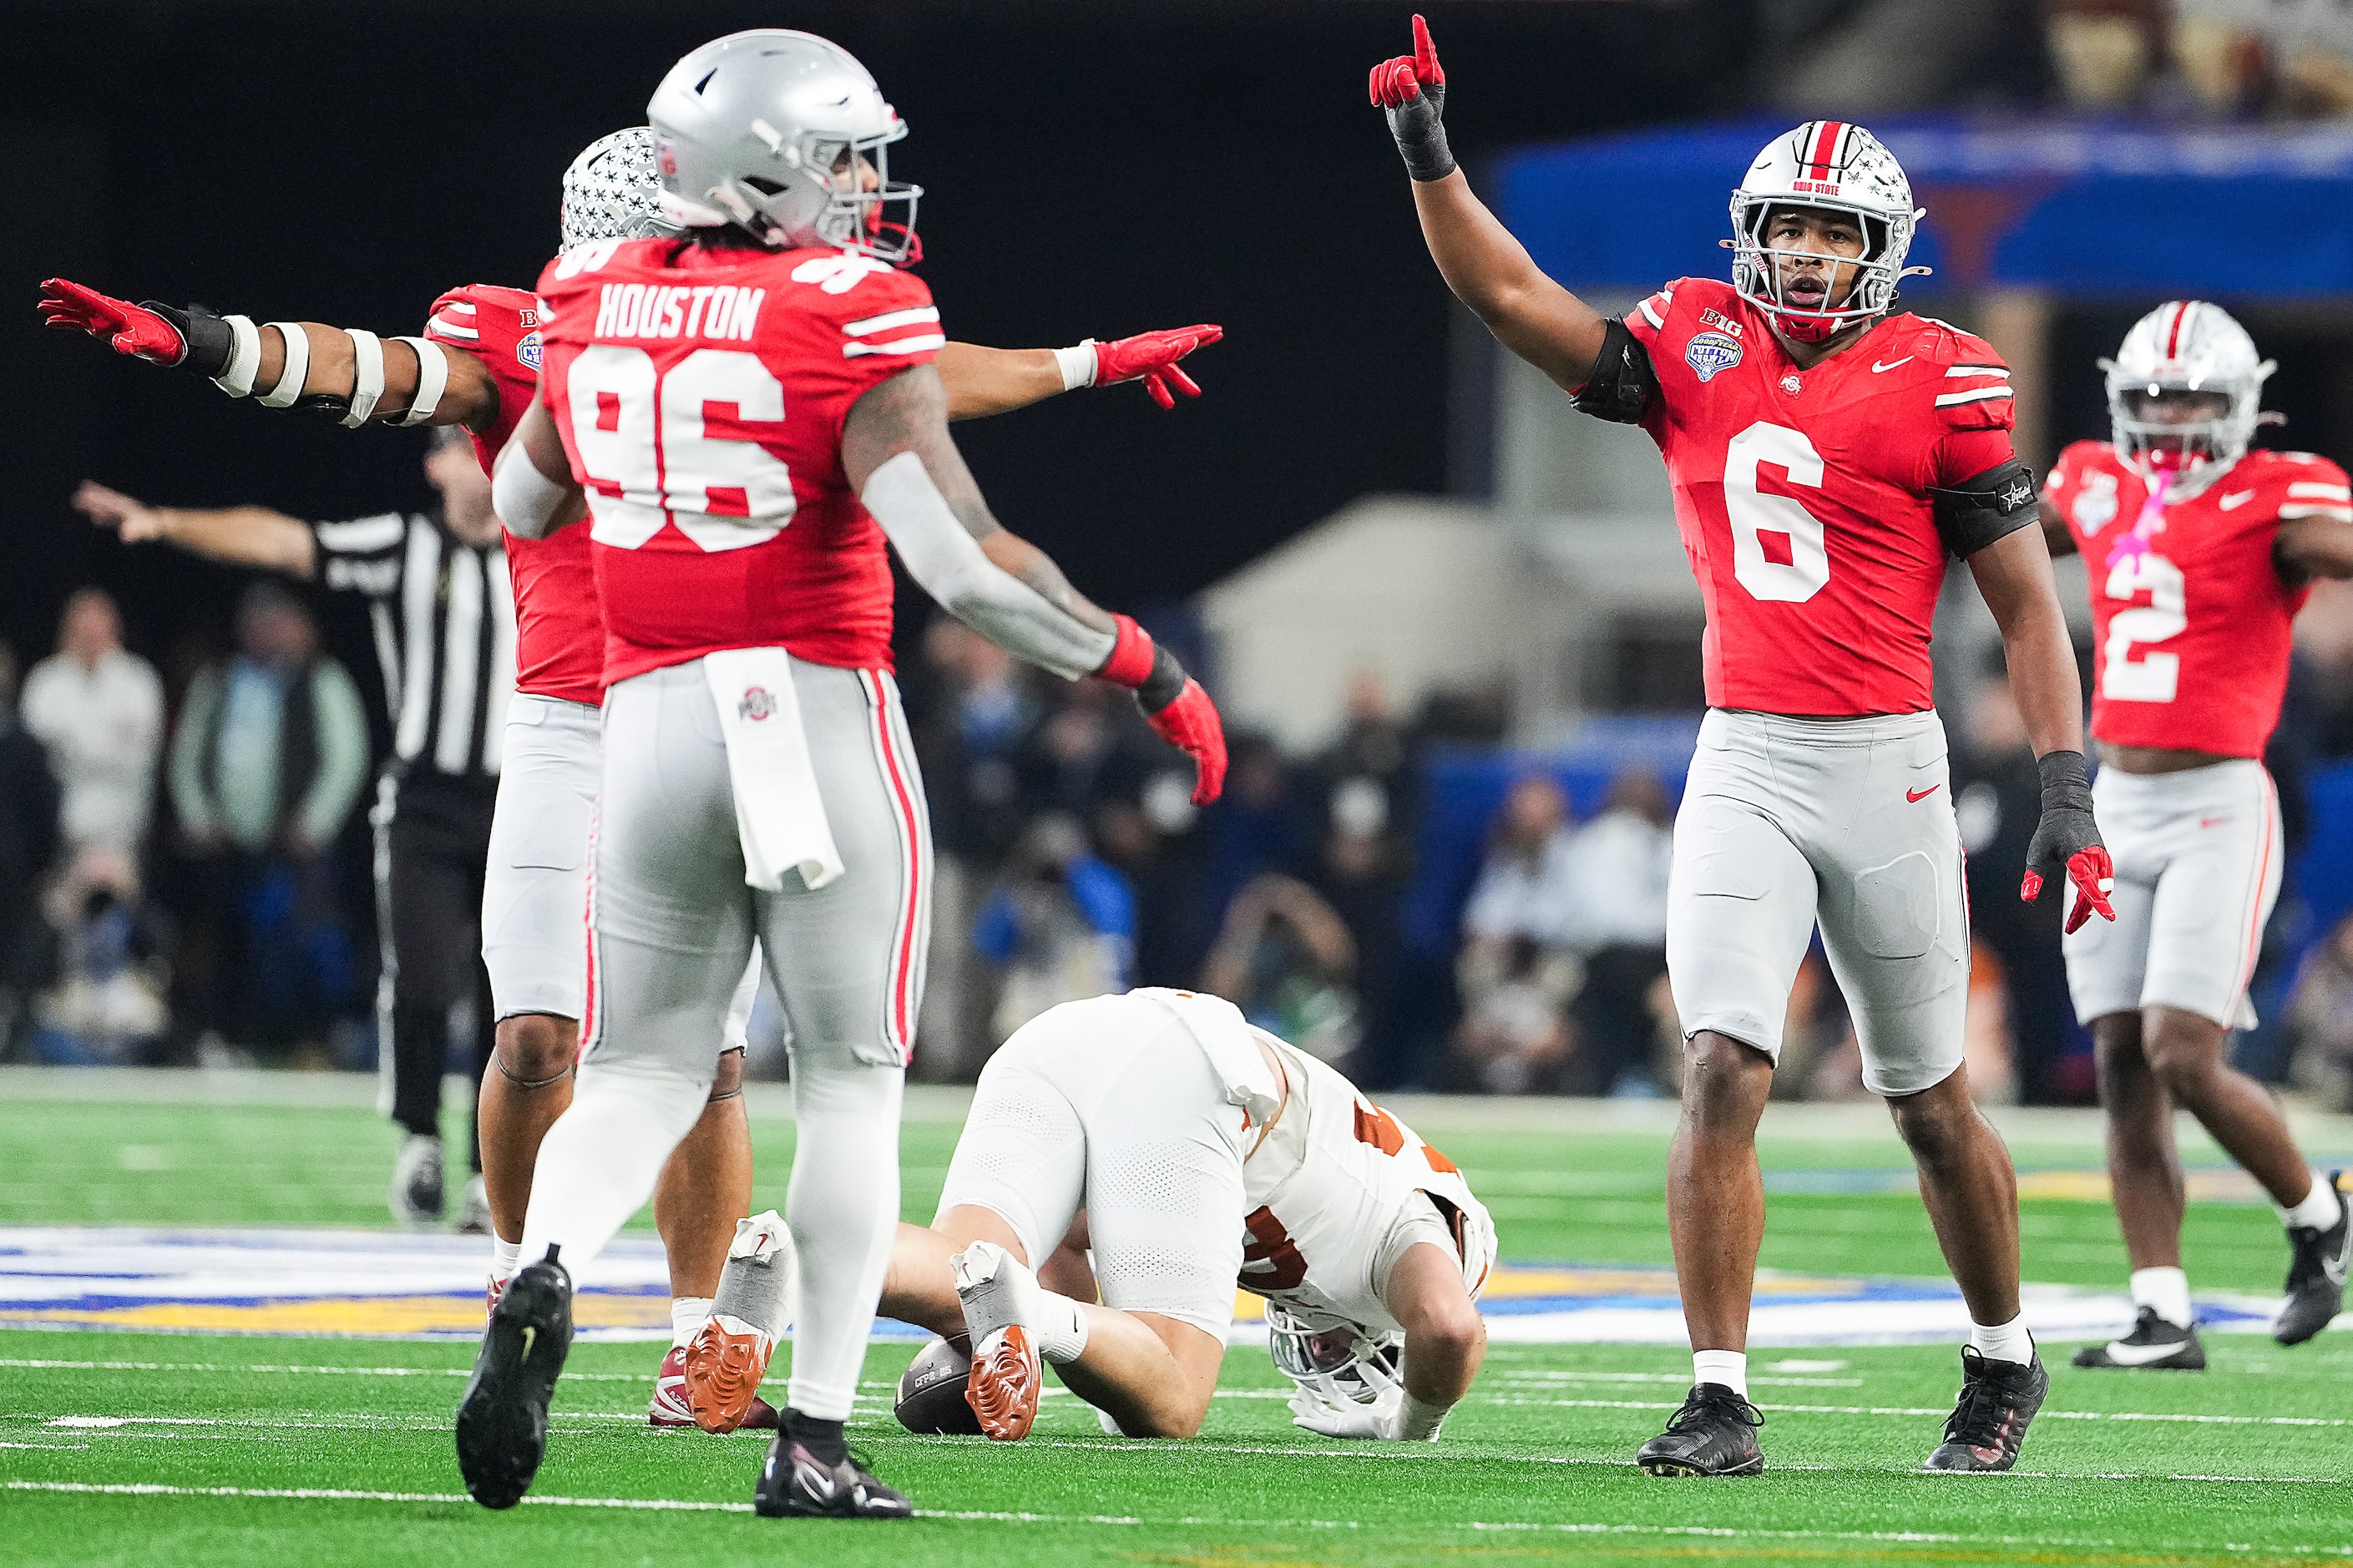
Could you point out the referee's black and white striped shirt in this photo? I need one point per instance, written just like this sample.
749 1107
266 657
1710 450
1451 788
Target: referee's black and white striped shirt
445 635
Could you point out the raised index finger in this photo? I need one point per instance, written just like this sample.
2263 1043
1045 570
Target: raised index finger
1425 53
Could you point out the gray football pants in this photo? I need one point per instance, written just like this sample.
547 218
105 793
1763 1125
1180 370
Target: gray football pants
1786 822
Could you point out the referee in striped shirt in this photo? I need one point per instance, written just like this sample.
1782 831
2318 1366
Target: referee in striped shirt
443 616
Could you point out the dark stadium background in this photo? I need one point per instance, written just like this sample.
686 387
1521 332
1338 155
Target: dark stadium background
1096 168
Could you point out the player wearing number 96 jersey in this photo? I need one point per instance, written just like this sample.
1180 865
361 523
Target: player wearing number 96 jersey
2201 552
1828 458
749 414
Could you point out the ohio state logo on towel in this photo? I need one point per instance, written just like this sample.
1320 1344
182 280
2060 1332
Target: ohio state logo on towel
757 704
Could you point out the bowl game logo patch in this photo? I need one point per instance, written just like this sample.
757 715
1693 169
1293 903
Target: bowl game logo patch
527 349
1711 352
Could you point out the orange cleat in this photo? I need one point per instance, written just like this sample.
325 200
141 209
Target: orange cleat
723 1365
1004 1383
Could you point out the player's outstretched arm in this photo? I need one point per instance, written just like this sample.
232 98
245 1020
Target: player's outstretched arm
981 381
2013 573
354 376
1488 270
2310 547
240 535
897 454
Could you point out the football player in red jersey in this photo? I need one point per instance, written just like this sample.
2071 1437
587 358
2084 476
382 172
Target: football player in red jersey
477 366
752 414
2201 552
1827 458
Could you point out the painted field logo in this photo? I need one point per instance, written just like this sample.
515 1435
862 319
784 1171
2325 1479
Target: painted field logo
1711 352
757 704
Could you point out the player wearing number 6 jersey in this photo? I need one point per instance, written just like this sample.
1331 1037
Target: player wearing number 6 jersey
1828 458
751 413
2201 552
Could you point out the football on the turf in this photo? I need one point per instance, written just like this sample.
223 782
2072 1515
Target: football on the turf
930 1394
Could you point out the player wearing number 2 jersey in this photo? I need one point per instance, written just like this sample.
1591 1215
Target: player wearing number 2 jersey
750 414
2201 554
1827 457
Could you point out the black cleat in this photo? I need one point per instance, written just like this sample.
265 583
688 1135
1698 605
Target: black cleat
1715 1433
1999 1399
2315 1278
796 1483
502 1419
2153 1345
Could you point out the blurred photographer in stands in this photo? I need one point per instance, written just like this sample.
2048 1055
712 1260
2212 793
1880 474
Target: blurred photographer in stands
1616 872
1286 960
1516 971
99 708
269 759
1060 926
107 1004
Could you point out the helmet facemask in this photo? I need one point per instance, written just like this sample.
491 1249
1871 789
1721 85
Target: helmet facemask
1336 1369
1759 273
825 190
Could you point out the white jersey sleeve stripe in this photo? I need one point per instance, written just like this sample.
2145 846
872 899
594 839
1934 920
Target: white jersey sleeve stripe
1979 395
2313 490
1969 370
2341 514
1650 314
891 319
441 328
902 346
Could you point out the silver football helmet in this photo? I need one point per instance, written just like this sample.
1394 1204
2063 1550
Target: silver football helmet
1838 165
2185 393
782 134
1339 1367
610 191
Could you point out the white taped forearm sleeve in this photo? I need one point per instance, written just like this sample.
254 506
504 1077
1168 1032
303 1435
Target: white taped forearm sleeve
432 379
297 370
525 500
367 375
948 562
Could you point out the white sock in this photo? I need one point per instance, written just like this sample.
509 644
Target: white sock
2005 1342
997 1292
687 1316
2165 1292
843 1212
506 1257
2320 1209
1728 1369
598 1162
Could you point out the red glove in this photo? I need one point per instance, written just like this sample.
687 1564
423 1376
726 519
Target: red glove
1396 81
1191 725
127 329
2094 875
1153 356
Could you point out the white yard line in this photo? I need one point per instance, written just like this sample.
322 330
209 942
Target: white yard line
1935 1410
331 1371
985 1516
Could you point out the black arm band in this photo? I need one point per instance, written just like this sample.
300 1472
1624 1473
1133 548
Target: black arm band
1624 381
1975 512
1164 684
210 341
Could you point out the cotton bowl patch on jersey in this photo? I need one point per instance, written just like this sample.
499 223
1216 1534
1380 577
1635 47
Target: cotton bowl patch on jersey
527 349
1710 353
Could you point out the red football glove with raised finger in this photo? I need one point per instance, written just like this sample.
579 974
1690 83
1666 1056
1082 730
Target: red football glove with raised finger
1411 90
1151 358
126 328
2068 837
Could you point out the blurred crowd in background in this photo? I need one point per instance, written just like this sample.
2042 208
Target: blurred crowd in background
183 879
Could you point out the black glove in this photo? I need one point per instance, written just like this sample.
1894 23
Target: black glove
1412 89
2067 837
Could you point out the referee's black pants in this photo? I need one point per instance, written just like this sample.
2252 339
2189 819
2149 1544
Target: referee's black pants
432 842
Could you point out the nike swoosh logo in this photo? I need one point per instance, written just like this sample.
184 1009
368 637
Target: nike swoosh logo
1879 368
1917 795
2233 502
2124 1354
530 1335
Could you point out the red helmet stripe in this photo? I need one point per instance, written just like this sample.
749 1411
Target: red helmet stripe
2173 334
1825 148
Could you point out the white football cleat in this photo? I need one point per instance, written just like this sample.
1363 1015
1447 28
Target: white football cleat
1000 1307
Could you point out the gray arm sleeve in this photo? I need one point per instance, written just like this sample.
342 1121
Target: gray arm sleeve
947 561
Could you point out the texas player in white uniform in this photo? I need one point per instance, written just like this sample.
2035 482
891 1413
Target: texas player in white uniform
1196 1152
2202 551
476 365
751 414
1827 459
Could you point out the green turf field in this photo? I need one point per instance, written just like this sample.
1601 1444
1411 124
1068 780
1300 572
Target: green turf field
216 1449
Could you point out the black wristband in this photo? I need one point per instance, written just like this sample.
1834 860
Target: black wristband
2066 779
1164 684
211 343
1420 133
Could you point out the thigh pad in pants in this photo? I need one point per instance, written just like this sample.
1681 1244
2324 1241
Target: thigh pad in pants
536 887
